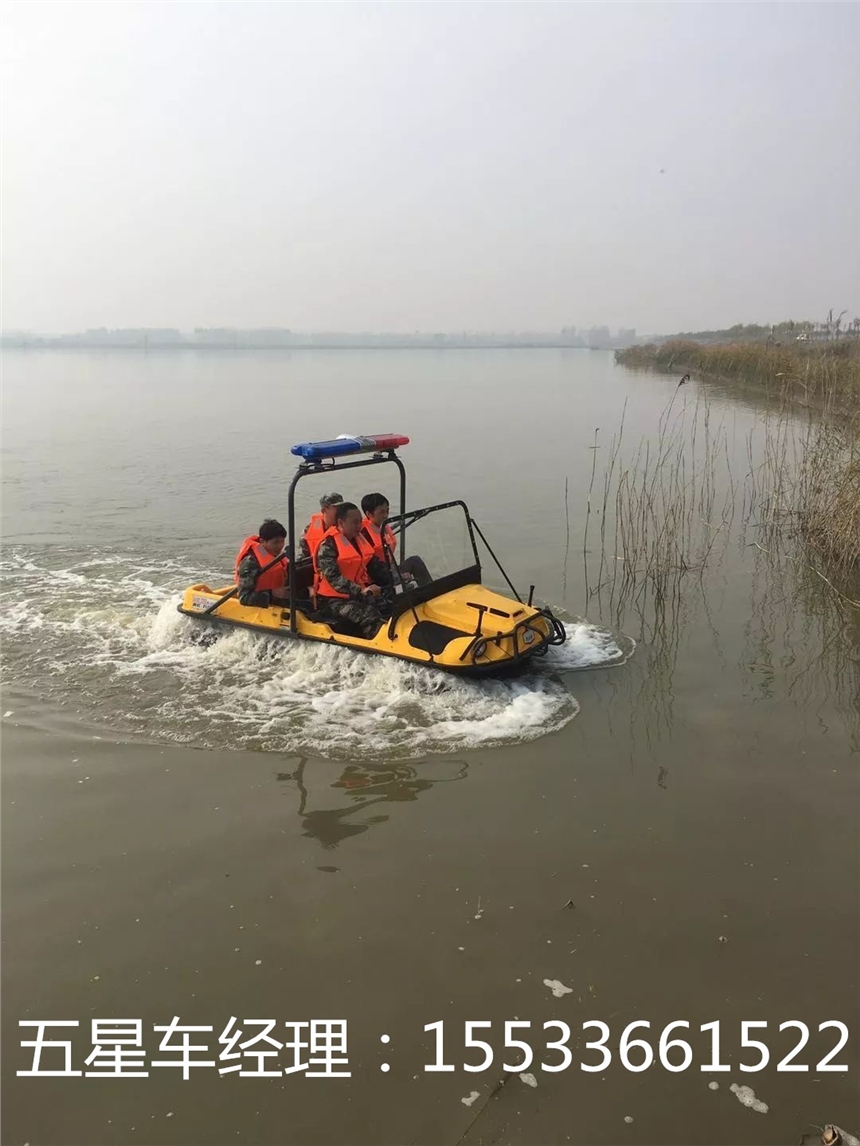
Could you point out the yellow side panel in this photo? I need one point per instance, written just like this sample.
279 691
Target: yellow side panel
455 610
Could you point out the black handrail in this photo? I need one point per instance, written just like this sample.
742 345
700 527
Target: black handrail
407 519
404 520
392 563
264 569
556 635
497 561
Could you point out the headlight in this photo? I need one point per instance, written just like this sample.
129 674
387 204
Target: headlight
479 649
528 636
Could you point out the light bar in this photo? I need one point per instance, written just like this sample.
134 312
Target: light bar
338 447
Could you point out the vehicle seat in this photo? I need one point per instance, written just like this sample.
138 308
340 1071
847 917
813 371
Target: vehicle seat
304 579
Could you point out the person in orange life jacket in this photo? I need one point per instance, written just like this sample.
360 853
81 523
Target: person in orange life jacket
258 588
315 529
375 508
350 577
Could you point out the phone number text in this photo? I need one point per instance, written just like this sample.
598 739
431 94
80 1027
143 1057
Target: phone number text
636 1048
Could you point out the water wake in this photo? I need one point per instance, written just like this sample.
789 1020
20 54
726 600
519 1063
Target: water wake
102 634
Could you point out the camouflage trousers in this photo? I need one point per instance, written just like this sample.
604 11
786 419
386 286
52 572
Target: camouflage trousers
368 617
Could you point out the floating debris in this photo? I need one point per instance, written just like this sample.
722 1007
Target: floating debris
713 1086
470 1098
558 988
746 1097
528 1079
833 1135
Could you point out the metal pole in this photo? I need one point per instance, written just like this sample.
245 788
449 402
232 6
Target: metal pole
291 545
495 558
402 469
270 565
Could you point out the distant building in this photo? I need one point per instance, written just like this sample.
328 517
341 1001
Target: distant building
231 338
626 336
128 338
598 338
215 336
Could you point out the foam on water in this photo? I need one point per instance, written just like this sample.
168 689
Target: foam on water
587 647
290 696
746 1096
103 634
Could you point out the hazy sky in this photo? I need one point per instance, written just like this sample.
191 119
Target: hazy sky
428 166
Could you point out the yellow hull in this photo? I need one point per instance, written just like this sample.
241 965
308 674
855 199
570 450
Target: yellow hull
442 632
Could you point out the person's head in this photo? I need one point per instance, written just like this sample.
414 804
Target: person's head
348 517
328 504
272 536
375 507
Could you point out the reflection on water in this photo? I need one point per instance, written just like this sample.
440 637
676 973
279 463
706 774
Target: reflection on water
786 642
336 803
803 633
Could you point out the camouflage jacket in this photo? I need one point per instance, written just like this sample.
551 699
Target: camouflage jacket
249 571
330 569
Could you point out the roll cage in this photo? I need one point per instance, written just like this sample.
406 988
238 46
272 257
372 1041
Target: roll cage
309 468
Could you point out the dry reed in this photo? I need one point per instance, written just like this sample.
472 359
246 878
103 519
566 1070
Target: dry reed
807 483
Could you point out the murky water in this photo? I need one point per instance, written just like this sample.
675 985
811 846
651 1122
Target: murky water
128 478
696 801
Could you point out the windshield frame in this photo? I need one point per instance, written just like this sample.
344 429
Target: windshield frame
408 598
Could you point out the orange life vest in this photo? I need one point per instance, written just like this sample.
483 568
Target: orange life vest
374 537
315 532
352 562
273 578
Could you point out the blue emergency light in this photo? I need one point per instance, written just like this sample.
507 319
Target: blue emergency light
339 447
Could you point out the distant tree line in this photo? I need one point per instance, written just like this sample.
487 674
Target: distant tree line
831 328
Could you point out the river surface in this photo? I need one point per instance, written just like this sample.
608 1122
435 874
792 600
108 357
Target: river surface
662 815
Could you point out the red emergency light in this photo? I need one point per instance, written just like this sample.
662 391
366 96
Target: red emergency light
339 447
